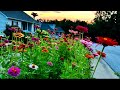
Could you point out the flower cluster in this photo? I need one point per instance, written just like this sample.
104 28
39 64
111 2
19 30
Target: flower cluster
37 26
73 32
82 29
87 44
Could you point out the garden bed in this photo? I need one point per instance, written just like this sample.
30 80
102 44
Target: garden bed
45 58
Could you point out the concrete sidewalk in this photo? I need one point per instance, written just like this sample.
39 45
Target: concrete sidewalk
103 71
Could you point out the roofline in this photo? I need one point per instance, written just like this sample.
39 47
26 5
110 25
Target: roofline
20 20
3 14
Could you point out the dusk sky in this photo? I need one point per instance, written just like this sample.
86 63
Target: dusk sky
72 15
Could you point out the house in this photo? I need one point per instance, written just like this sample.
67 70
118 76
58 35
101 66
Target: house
17 18
51 27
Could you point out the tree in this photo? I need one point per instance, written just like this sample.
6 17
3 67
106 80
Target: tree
34 14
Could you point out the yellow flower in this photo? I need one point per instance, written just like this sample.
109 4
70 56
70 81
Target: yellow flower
22 50
18 35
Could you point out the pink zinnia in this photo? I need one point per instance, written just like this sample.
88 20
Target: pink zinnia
95 54
35 39
56 47
76 38
14 71
50 63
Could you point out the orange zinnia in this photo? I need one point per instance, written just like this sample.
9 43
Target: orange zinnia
45 50
22 50
18 35
89 56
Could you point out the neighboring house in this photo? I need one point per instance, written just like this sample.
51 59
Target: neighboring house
17 18
51 27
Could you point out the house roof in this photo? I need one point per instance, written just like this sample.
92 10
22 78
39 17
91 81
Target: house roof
19 15
52 26
45 26
59 29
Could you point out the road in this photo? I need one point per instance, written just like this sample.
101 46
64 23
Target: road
112 56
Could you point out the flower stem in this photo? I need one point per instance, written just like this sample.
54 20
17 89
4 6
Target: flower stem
98 61
80 35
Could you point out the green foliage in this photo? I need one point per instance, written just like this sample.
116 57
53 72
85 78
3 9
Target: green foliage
61 69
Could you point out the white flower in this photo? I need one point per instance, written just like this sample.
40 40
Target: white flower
33 66
7 44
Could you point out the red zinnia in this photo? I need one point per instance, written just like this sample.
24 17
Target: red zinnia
65 39
62 58
102 54
82 29
106 41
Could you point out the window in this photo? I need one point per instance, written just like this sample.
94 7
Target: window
24 25
14 23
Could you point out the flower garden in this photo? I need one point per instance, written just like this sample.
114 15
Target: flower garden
42 57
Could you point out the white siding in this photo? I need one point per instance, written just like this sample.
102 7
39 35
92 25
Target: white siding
9 22
19 24
32 30
3 21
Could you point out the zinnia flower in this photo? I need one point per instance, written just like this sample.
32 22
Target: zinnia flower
105 41
76 38
14 71
45 50
33 66
2 44
102 54
65 39
35 39
37 26
73 64
89 56
30 45
18 35
50 63
6 41
62 58
22 50
95 54
82 29
14 47
12 29
56 47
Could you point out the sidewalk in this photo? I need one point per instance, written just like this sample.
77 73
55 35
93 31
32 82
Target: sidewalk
103 71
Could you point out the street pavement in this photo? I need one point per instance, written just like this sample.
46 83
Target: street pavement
109 65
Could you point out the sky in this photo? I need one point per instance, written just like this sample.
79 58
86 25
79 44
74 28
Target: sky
87 16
